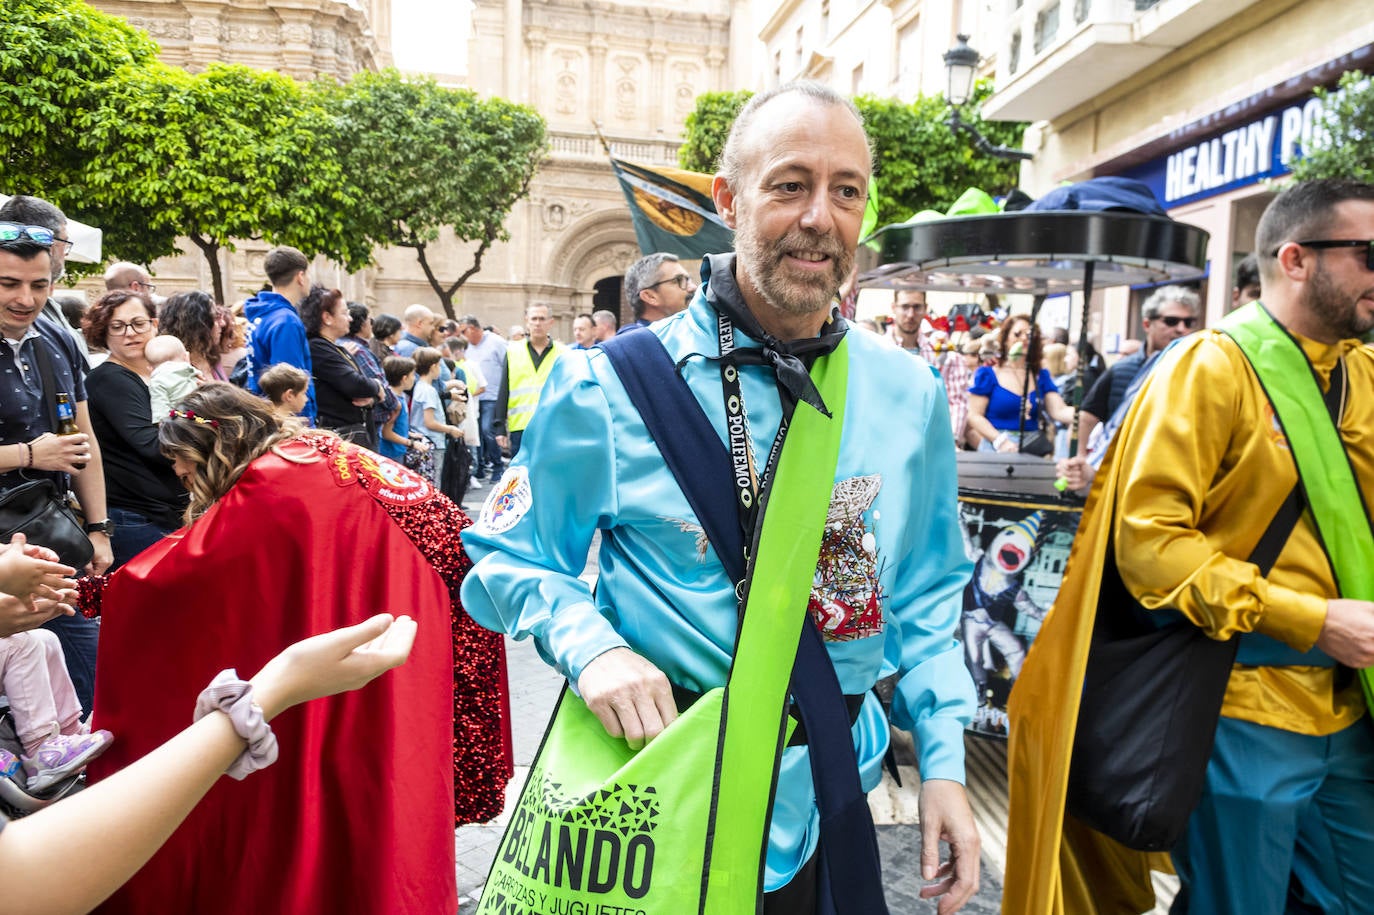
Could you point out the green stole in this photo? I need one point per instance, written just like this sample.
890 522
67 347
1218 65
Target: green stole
1324 470
681 826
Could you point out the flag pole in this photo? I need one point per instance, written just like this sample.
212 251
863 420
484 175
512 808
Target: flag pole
596 126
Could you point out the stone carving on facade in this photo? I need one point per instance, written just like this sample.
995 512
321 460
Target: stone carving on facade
557 213
566 83
627 88
687 79
249 35
295 33
163 28
614 257
204 27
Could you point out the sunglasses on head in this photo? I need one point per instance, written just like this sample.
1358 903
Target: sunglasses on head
1175 321
1323 243
11 231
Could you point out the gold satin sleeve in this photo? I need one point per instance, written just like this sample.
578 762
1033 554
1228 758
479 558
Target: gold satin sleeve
1204 468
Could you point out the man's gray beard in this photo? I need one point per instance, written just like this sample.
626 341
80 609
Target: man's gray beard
762 267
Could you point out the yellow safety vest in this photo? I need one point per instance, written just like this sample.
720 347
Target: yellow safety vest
526 382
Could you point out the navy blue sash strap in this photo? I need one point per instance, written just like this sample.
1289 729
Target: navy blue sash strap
850 875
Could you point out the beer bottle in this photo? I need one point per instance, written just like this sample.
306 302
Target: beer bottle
66 419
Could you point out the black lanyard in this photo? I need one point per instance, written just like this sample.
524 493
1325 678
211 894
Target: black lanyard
750 486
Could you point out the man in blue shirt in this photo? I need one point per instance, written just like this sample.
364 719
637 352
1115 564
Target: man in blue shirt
891 572
276 334
420 323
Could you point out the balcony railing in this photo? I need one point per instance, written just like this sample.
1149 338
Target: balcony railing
588 146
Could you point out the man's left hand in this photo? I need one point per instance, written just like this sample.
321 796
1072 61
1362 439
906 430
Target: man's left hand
945 814
103 557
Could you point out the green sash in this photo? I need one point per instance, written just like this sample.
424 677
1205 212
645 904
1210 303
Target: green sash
681 826
1327 479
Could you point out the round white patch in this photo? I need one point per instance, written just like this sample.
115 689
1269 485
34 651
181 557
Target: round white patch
508 501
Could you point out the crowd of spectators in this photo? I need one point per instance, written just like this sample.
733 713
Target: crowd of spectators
125 363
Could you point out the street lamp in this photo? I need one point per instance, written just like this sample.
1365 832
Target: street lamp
961 61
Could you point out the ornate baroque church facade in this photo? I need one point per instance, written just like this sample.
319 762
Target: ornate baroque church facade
630 69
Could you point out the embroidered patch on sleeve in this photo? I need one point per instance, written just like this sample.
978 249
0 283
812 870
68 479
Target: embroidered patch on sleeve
508 502
847 594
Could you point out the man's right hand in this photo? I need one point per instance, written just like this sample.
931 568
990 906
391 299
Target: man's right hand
1076 472
67 453
1348 633
629 695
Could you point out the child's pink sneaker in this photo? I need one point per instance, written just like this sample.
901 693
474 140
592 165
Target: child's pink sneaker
61 756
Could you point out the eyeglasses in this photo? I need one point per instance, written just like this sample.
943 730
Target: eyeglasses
13 231
684 282
150 287
137 325
1321 243
1175 321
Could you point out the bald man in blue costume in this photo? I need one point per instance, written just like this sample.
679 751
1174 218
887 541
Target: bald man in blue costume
793 184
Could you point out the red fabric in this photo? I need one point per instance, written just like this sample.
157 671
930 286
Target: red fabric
356 816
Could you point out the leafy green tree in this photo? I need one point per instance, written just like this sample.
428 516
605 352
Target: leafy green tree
919 162
421 158
229 153
708 125
58 61
1344 147
55 56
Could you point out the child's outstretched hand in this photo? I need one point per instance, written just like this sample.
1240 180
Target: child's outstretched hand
334 662
29 571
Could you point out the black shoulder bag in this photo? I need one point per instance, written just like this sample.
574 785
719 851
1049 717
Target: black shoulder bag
37 509
1152 695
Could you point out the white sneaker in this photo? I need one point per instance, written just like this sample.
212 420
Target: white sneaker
474 485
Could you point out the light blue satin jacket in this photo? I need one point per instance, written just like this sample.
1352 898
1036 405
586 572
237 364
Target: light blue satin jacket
888 586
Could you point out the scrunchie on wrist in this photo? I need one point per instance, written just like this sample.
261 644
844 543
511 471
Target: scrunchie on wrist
234 697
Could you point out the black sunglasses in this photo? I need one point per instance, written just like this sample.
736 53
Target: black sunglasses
684 282
1175 321
1322 243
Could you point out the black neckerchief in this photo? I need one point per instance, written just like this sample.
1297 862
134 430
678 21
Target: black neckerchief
791 362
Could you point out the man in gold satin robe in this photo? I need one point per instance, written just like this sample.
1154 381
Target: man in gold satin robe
1198 469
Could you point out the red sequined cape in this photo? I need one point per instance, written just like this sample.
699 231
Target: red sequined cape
357 814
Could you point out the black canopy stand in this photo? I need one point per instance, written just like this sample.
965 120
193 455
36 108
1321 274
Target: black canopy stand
1038 253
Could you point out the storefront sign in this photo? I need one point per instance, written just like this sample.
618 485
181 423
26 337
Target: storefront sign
1246 154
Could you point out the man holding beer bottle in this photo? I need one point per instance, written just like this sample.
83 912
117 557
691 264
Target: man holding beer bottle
41 366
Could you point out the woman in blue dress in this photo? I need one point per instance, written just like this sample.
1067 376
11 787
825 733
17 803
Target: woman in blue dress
996 410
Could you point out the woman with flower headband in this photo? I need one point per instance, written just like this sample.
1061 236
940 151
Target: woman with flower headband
294 532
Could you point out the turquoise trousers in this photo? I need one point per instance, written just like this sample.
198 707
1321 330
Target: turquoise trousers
1285 825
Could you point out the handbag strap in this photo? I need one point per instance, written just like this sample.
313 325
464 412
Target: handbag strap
700 464
49 379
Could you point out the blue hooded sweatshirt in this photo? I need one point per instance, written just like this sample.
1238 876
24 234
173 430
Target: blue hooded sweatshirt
276 335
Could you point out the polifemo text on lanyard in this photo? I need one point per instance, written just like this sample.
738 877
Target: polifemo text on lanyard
750 486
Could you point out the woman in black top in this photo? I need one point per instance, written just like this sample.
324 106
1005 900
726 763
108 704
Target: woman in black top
145 499
343 393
